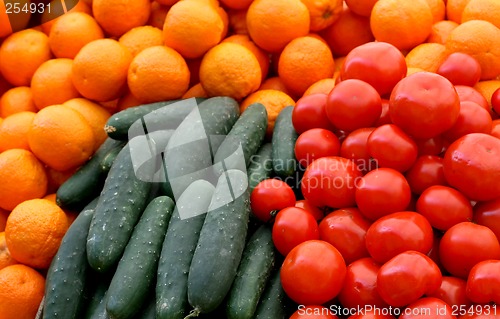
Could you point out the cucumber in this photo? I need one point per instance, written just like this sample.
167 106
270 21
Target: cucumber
221 243
273 303
96 305
248 132
178 248
192 146
149 309
66 279
283 142
136 271
86 183
120 205
253 273
261 166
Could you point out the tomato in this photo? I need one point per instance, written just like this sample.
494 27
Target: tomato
434 253
467 93
293 226
407 277
385 117
331 181
483 283
374 314
461 69
380 64
346 229
488 214
428 307
317 213
316 143
410 107
426 172
354 147
310 112
444 207
495 128
482 312
391 147
431 146
495 101
458 253
353 104
269 196
313 273
381 192
452 291
313 312
360 286
471 165
471 119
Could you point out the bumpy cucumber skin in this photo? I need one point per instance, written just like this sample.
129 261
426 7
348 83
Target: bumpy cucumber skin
261 166
120 205
283 142
177 252
221 243
67 275
253 274
273 303
135 273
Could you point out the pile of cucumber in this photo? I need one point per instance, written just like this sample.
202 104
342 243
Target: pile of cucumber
175 242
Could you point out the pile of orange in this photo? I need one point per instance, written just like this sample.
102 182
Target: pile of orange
61 81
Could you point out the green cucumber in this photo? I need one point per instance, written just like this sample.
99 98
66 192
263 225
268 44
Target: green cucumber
86 183
149 309
96 304
120 206
136 271
261 166
66 280
253 273
273 303
283 141
221 243
178 248
248 132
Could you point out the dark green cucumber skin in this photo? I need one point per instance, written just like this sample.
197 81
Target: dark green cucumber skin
88 180
261 166
66 280
120 206
149 309
220 245
136 271
249 132
215 117
273 303
96 304
253 274
177 252
283 142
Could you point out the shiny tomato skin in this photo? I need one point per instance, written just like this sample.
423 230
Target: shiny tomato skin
488 214
452 291
495 101
385 117
270 195
428 308
467 93
313 273
291 227
483 283
495 128
316 143
313 312
310 112
471 119
354 147
317 213
426 172
431 146
460 69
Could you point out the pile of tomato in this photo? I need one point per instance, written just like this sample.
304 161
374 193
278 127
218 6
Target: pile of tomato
398 213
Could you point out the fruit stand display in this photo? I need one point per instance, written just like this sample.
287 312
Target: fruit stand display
250 159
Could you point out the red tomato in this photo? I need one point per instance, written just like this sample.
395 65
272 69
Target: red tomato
345 229
381 192
430 308
407 277
431 146
375 314
316 143
391 147
452 291
434 253
331 181
495 101
354 147
310 112
313 312
467 93
471 119
495 128
461 69
483 283
488 214
482 312
444 207
426 172
410 109
360 286
293 226
458 253
353 104
269 196
317 213
471 165
380 64
385 117
313 273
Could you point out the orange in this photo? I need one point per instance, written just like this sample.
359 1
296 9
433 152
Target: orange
22 292
441 30
230 69
21 54
361 7
486 88
411 71
119 16
274 83
61 137
100 70
324 86
426 56
261 55
488 10
57 178
454 9
22 177
5 27
20 21
48 18
438 9
70 215
303 62
167 2
194 70
18 99
323 13
4 85
141 38
158 14
5 256
3 218
273 100
192 28
481 40
34 232
195 91
158 73
14 131
71 32
95 115
126 101
348 32
272 24
402 23
111 105
53 76
237 21
237 4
